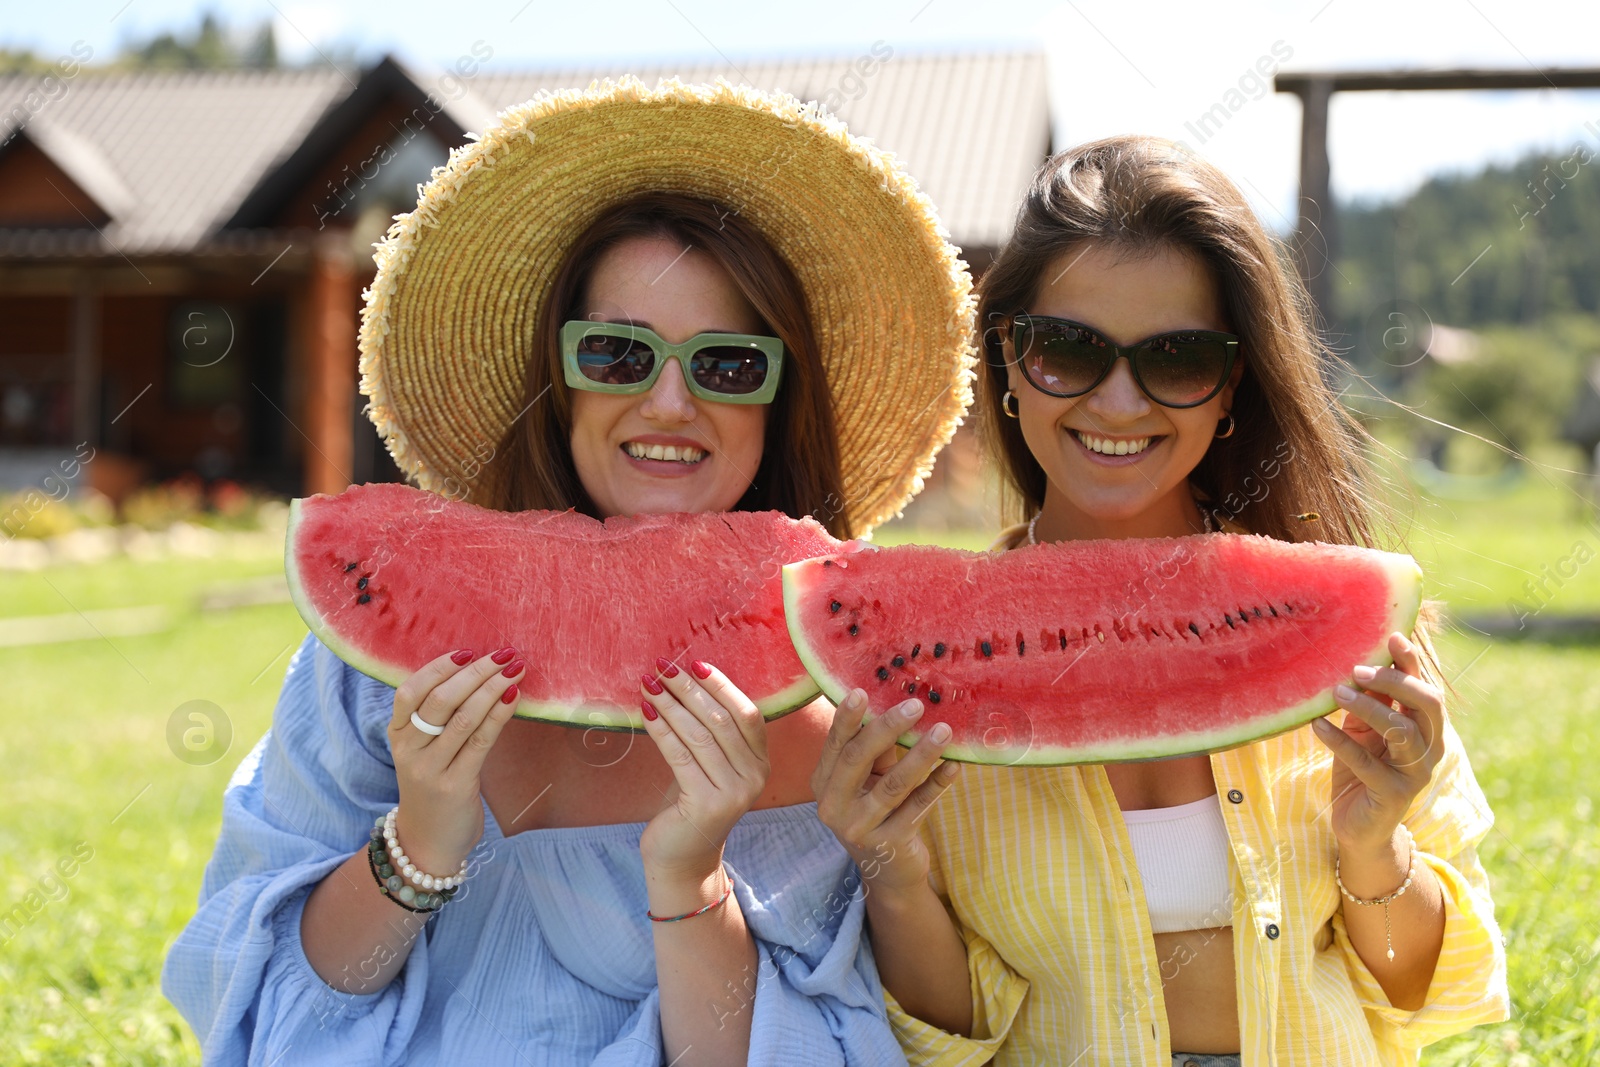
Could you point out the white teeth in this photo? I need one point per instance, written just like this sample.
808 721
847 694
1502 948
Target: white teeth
674 453
1106 446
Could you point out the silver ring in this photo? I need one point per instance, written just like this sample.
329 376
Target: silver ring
425 726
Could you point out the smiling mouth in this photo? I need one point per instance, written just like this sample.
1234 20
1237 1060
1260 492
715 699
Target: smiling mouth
685 454
1107 446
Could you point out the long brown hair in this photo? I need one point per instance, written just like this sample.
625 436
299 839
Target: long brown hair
799 472
1295 450
1297 466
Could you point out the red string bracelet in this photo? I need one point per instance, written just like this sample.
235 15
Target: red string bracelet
698 911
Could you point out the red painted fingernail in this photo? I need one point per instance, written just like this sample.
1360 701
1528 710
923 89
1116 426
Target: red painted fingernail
504 655
462 658
509 696
513 670
701 669
648 709
667 668
654 686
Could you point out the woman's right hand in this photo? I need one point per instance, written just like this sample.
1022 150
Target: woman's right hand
872 801
441 815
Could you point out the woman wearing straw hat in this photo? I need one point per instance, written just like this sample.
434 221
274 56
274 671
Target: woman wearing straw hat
549 329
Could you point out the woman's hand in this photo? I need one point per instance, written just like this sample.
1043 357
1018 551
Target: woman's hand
715 741
1383 759
441 815
1384 756
871 800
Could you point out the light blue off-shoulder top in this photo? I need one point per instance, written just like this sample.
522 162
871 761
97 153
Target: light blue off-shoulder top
545 955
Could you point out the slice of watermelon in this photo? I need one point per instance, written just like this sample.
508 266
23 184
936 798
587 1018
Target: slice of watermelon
1101 651
391 577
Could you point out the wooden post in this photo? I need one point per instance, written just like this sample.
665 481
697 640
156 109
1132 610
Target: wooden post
1315 231
85 361
330 378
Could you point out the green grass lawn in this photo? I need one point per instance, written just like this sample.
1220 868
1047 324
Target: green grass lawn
89 769
1527 547
92 784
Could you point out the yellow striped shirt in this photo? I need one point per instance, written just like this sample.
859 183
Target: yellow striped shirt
1036 866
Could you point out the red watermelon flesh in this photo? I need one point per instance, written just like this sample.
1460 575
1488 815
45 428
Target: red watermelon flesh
1101 651
390 577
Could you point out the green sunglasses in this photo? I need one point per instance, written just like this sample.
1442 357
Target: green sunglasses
619 358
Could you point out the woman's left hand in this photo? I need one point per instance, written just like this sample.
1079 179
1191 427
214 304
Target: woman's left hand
1384 756
715 741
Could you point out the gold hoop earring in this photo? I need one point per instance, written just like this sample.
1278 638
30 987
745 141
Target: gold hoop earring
1229 433
1010 405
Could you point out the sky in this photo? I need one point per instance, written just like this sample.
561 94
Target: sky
1117 66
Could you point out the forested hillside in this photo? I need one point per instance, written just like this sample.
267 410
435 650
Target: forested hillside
1511 253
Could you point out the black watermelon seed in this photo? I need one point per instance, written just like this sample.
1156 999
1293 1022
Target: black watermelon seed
911 687
938 650
1194 629
854 629
361 583
363 598
348 567
834 605
827 563
899 661
914 650
1273 610
988 650
933 696
1062 634
1229 620
1244 616
1257 612
883 674
1289 608
1021 646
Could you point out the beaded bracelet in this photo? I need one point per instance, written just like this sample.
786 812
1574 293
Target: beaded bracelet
394 887
1411 866
698 911
404 865
393 884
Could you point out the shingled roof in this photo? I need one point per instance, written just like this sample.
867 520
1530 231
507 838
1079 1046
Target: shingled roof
972 129
186 146
172 158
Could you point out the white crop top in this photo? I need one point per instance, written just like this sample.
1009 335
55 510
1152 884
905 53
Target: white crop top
1182 854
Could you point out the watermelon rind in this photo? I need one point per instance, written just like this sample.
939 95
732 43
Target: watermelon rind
1405 602
388 673
606 717
579 716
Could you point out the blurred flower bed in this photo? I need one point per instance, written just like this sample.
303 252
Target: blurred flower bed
180 517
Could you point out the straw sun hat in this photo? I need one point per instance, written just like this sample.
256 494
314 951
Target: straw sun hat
449 321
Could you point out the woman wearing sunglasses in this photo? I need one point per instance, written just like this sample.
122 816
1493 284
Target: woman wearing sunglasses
623 301
1312 898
